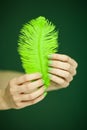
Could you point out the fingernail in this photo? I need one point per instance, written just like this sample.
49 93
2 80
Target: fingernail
49 69
49 75
50 62
50 56
45 94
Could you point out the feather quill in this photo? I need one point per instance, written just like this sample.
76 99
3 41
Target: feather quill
37 39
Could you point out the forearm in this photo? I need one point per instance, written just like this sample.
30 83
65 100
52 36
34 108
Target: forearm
5 77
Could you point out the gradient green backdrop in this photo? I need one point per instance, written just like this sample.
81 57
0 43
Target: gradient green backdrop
60 110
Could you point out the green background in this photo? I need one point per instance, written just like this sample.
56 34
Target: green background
60 110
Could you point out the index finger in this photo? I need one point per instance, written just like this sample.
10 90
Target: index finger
63 58
27 78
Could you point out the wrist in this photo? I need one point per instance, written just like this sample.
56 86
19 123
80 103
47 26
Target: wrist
3 100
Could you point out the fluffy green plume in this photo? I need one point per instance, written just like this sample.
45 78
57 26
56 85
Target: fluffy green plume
38 39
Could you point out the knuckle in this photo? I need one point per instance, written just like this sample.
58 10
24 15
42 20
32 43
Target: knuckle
74 73
66 57
76 64
26 77
56 56
71 78
65 85
27 87
62 82
31 97
68 66
67 75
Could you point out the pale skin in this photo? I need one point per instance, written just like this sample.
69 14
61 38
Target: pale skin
18 90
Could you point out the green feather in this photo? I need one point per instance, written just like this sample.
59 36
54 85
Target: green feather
38 39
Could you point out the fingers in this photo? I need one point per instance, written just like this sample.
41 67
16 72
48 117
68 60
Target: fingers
29 86
61 73
28 77
64 66
33 95
60 81
29 99
28 103
64 58
23 91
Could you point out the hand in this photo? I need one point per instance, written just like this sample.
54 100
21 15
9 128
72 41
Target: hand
22 92
62 68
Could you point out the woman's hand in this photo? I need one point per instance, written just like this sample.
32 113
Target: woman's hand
22 92
62 68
